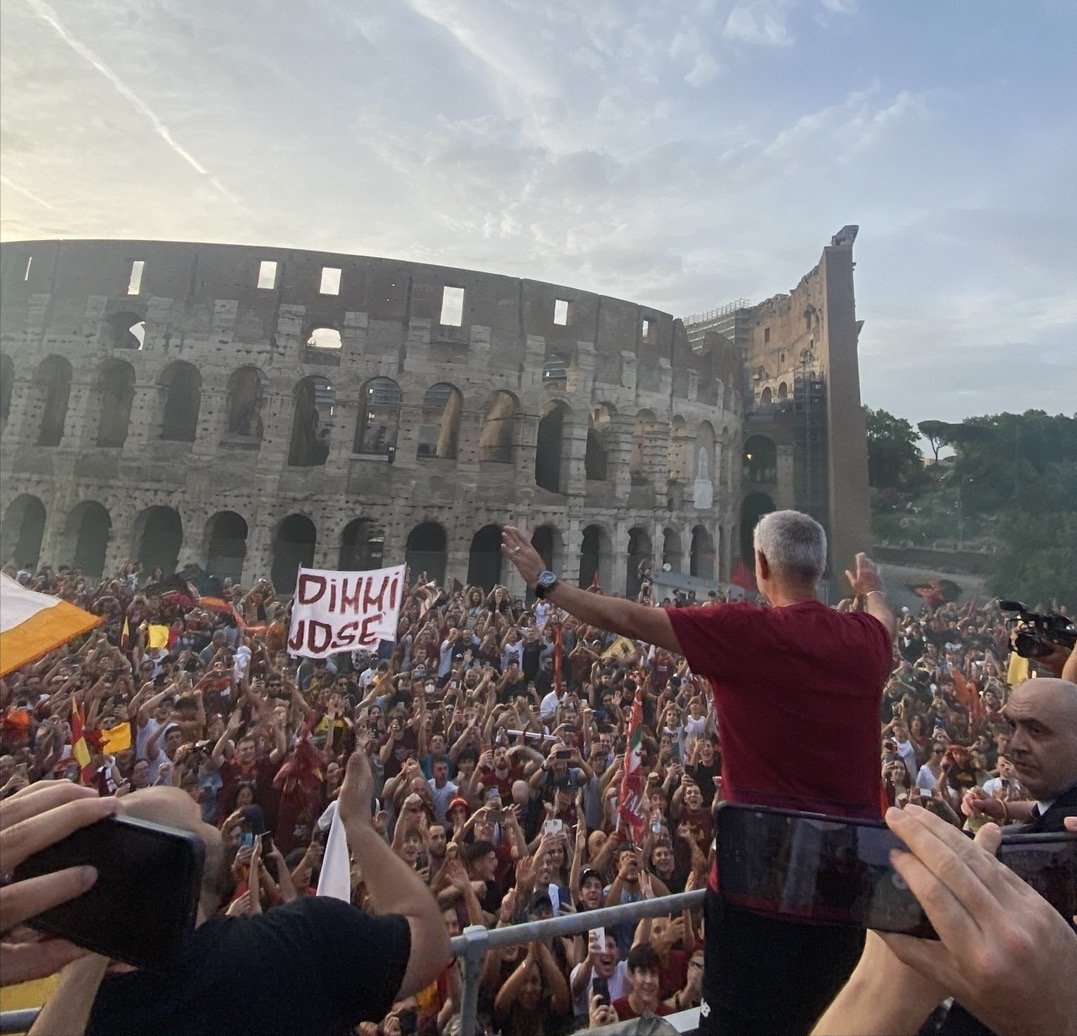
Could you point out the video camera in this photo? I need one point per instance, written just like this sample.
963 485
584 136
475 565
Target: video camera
1037 635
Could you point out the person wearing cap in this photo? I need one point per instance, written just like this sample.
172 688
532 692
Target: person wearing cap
778 676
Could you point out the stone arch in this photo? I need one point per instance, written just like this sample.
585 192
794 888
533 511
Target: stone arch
646 439
362 545
767 397
226 533
484 558
549 451
158 538
760 462
679 449
497 439
596 556
7 386
52 382
701 558
379 418
245 394
126 330
114 393
426 551
23 530
312 423
181 386
753 508
672 551
439 423
293 545
599 429
783 392
550 545
90 524
640 553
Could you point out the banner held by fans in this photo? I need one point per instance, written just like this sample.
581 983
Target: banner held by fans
344 611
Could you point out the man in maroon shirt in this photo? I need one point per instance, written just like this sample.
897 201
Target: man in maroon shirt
797 687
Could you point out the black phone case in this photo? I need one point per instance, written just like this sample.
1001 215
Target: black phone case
142 908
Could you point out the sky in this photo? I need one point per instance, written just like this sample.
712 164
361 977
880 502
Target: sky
678 153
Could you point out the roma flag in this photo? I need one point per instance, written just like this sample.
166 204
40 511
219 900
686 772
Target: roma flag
80 749
33 624
125 634
630 803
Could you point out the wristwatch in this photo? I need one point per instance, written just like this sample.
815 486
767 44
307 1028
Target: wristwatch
545 583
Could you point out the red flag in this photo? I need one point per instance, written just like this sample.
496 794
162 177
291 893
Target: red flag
743 577
595 584
80 749
631 804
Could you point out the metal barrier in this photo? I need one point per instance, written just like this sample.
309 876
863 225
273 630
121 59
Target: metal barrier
477 940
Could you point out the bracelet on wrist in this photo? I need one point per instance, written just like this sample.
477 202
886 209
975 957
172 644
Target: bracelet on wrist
870 592
1005 811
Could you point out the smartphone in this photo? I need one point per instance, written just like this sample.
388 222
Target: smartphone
601 987
497 816
267 844
553 827
563 753
246 840
142 907
832 870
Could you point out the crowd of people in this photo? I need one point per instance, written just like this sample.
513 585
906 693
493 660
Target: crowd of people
495 730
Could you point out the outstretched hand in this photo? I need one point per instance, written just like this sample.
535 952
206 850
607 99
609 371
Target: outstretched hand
516 547
866 577
357 791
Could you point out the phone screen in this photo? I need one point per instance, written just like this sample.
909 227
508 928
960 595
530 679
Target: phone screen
143 905
601 987
829 870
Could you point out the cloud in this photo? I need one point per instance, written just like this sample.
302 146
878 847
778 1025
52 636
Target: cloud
48 15
26 193
840 6
761 22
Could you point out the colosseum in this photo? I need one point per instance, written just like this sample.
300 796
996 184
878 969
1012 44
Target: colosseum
252 409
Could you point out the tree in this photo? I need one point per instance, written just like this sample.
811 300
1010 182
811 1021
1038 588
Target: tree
937 434
893 457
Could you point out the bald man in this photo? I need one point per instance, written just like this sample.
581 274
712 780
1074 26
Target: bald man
1043 750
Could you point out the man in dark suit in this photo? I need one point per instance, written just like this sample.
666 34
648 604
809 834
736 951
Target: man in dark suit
1043 750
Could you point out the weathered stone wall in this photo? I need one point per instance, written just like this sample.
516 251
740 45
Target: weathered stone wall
200 305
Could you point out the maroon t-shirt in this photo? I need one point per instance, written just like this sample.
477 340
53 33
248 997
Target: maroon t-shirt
797 690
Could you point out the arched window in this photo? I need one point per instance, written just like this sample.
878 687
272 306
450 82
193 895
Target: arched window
597 458
439 423
115 391
53 386
181 385
549 448
484 559
293 546
362 545
158 538
91 525
379 418
640 560
312 425
227 545
498 436
124 331
671 550
595 557
753 508
760 459
766 397
323 346
425 552
7 386
702 556
783 392
246 394
23 530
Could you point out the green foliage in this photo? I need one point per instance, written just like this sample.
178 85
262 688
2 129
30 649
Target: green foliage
937 434
1038 559
893 457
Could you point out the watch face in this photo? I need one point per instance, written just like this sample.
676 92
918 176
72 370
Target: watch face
546 579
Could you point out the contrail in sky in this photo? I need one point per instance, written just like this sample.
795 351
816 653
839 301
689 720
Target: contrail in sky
47 14
29 194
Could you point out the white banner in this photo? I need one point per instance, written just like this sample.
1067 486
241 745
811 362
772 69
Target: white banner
344 611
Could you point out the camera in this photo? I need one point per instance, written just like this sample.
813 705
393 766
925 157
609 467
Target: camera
1038 635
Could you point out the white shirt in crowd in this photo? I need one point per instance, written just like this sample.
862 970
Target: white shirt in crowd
618 988
926 779
548 705
442 797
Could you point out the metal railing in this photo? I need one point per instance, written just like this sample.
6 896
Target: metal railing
476 941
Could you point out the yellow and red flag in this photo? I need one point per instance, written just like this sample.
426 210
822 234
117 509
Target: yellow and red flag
80 749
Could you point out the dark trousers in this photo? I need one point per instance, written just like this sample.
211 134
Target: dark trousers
765 977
